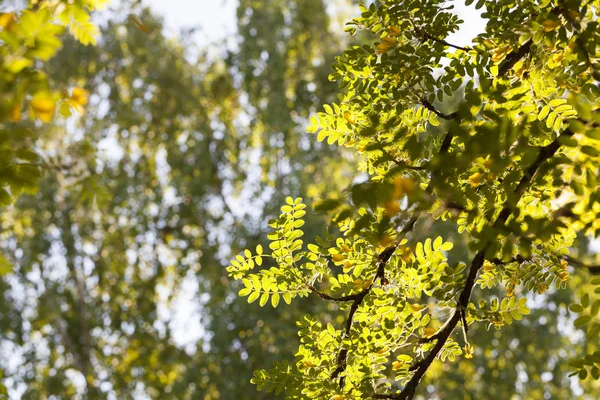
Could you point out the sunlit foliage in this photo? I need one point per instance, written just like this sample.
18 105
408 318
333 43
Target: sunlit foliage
28 39
513 166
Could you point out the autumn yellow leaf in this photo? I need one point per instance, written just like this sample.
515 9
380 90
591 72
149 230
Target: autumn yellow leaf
416 307
469 351
349 117
475 179
550 24
80 96
43 106
500 53
386 44
429 331
396 365
385 240
402 186
6 20
391 208
394 31
15 113
558 57
338 257
348 265
406 254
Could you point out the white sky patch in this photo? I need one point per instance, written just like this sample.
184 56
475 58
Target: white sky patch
473 25
215 18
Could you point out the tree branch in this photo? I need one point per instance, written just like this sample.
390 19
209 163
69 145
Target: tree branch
513 58
409 390
449 117
327 297
594 269
427 36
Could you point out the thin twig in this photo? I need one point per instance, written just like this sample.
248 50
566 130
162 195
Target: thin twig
427 36
449 117
594 269
421 368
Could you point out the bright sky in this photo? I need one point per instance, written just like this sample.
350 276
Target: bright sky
216 18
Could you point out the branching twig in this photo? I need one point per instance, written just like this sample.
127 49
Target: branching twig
449 117
427 36
421 368
325 296
594 269
513 58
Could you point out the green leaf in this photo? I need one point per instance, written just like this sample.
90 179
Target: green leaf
582 321
557 102
576 308
590 151
5 265
433 120
585 300
275 299
447 246
543 113
253 296
5 198
263 299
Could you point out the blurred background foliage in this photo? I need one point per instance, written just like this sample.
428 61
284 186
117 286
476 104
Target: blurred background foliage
112 277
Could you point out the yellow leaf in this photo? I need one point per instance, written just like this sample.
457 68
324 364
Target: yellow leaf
501 52
15 113
43 107
396 365
391 208
558 57
416 307
348 265
394 31
338 257
550 24
382 48
6 20
406 254
348 117
80 96
429 331
385 240
475 179
402 185
469 350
